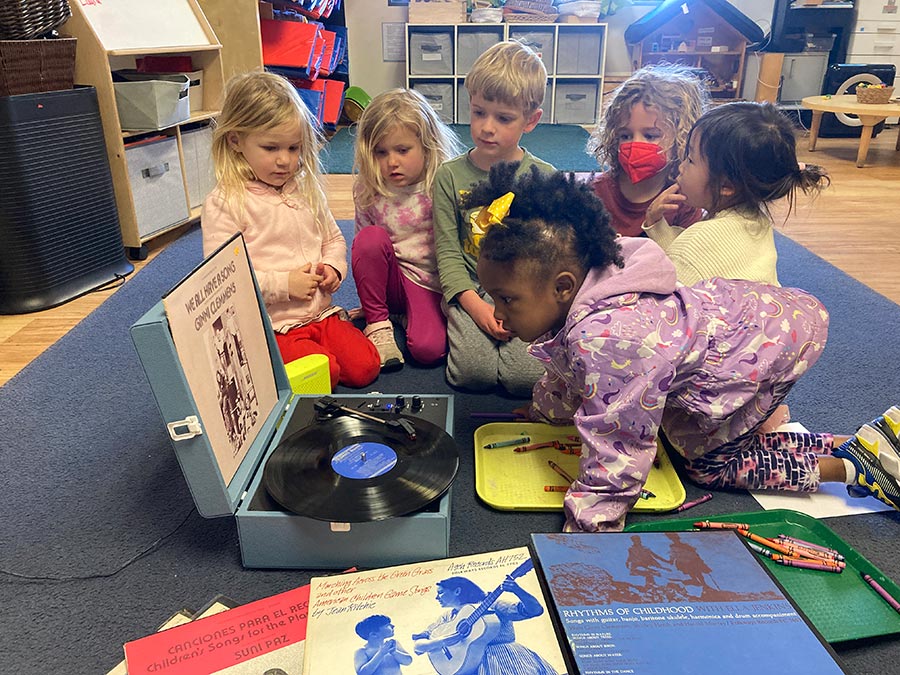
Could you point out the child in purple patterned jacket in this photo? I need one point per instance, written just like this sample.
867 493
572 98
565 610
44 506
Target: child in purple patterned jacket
629 352
399 146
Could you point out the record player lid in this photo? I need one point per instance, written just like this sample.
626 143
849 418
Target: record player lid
213 496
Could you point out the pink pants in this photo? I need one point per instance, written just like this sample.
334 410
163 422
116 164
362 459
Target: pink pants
383 289
352 360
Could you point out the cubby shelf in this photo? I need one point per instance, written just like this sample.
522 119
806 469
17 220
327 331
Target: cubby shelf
439 57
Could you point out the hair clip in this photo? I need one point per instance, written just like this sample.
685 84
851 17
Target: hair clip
496 212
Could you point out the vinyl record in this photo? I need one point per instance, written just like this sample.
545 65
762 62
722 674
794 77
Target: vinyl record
349 470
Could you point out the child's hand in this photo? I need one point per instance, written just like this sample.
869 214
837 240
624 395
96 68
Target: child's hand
482 314
523 411
666 201
330 279
302 283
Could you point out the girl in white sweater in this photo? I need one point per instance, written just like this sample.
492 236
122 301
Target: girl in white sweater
741 157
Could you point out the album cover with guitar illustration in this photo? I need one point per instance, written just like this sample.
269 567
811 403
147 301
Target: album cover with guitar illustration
479 613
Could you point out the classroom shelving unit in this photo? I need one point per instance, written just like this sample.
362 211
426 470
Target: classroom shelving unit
159 182
438 57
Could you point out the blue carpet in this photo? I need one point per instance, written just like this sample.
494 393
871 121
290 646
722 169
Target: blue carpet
92 485
562 145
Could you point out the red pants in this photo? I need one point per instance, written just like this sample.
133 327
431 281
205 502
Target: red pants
352 359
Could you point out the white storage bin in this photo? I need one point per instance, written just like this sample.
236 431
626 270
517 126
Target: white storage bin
882 46
157 185
575 103
198 166
471 44
150 101
866 10
579 53
439 96
431 53
540 41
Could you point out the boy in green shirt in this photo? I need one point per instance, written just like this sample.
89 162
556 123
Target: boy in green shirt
506 89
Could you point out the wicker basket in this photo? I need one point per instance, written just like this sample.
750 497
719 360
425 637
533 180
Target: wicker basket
535 6
522 17
874 94
29 66
26 19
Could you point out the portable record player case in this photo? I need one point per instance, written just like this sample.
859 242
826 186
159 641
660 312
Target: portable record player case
271 537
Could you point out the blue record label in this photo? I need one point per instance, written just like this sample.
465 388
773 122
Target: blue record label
364 460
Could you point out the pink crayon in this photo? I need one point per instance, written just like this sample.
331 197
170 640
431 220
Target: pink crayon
696 502
878 588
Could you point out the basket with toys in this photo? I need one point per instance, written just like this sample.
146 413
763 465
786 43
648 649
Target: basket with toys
873 93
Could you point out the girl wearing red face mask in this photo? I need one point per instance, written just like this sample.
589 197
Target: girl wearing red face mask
640 141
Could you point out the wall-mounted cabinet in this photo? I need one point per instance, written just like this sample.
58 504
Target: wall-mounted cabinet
439 56
157 175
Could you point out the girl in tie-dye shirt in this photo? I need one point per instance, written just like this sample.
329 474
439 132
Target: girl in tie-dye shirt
629 352
400 144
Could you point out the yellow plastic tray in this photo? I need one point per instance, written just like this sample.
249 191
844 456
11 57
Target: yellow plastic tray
514 481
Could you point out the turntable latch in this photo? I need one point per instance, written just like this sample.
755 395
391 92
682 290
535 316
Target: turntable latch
191 423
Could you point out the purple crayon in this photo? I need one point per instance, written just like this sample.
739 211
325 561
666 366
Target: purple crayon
696 502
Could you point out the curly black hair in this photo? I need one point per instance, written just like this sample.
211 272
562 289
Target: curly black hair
554 221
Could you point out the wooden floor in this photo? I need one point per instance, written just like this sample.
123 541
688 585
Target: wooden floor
855 225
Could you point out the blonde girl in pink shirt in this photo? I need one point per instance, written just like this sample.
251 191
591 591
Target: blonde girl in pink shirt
400 143
266 156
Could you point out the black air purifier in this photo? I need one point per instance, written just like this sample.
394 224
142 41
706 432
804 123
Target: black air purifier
842 78
59 227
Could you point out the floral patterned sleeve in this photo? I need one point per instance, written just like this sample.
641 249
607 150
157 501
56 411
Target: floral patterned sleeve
624 389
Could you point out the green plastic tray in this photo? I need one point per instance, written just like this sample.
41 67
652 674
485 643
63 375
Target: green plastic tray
841 606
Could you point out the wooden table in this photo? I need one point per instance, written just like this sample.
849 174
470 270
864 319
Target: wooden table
869 115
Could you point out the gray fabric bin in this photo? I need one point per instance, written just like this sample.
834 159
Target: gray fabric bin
540 41
463 115
431 53
576 103
578 53
440 96
147 101
473 43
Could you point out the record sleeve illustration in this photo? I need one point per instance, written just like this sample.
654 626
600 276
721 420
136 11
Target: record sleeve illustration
219 334
237 395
